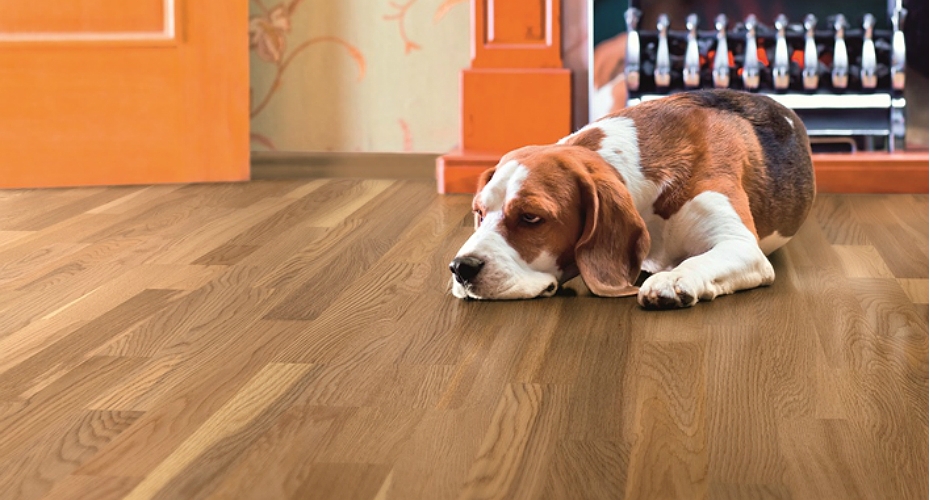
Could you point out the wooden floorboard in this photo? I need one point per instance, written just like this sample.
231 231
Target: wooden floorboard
295 338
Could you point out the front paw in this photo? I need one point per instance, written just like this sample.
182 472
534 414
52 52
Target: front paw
669 290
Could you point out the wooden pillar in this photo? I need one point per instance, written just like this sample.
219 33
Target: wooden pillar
515 93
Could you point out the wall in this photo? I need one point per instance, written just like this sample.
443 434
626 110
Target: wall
357 75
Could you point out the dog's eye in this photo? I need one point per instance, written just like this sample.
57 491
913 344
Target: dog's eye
530 219
479 217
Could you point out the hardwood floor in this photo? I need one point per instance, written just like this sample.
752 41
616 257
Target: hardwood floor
295 339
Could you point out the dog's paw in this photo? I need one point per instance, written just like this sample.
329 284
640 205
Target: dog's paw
669 290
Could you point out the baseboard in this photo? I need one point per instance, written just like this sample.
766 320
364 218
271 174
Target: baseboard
865 172
279 165
872 172
458 171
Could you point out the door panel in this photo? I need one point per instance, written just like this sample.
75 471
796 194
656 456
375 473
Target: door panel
156 93
55 17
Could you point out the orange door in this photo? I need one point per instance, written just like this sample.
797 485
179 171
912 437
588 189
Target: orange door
97 92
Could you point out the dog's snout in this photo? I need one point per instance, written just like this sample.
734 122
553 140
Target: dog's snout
466 268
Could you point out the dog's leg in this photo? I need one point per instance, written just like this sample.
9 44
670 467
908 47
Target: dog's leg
725 256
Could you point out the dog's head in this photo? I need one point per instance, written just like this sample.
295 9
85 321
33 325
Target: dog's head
544 215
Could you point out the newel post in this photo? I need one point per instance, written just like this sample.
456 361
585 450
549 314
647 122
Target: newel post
515 93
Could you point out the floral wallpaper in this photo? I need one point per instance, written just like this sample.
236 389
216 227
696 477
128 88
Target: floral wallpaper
357 75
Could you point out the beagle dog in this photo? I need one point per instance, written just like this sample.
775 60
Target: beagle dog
696 188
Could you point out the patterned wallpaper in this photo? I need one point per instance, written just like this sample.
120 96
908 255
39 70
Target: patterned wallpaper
357 75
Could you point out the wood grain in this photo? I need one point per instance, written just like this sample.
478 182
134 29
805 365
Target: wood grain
271 383
61 451
294 338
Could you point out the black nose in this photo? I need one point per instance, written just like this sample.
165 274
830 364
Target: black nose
466 268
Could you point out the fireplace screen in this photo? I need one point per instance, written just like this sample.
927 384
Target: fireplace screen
840 65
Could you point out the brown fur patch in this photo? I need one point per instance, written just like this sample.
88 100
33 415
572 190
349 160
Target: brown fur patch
590 138
731 143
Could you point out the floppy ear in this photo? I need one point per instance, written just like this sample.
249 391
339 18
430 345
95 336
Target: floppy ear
483 180
615 240
485 177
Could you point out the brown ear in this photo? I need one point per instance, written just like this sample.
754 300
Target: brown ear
615 240
483 180
485 177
